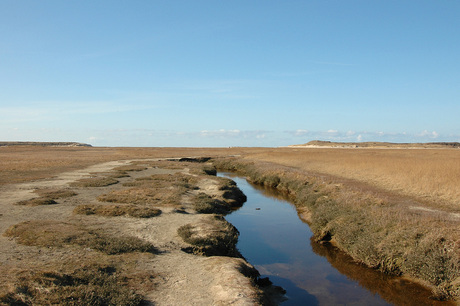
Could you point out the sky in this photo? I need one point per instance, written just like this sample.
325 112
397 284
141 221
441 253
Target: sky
229 73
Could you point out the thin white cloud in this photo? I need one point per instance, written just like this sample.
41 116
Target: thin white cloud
428 134
223 133
350 133
360 136
220 133
301 132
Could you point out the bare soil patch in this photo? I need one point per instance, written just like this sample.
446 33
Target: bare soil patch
84 249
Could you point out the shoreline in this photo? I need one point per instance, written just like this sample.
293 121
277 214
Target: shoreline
366 226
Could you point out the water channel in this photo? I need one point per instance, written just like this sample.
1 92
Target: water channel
279 245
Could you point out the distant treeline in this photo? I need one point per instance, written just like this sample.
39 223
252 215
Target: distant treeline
43 144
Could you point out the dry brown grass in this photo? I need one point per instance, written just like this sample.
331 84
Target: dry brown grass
159 189
213 236
431 175
91 286
47 197
59 234
37 202
144 195
374 228
95 182
348 193
132 167
136 211
87 279
27 163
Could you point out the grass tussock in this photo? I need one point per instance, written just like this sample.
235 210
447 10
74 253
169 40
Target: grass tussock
232 194
144 195
213 236
135 211
164 181
132 167
205 204
95 182
119 174
85 279
159 189
47 197
37 202
60 234
88 286
195 166
377 231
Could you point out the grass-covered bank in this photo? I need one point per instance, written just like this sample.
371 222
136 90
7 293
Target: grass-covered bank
374 227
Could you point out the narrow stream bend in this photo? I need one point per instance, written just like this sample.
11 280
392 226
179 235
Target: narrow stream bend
279 245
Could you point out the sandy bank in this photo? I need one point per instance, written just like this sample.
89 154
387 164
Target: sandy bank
172 272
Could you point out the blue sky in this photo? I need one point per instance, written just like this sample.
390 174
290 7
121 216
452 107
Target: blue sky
229 73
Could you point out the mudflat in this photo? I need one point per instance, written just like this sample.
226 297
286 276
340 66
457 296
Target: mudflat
110 233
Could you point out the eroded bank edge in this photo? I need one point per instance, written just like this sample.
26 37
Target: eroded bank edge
380 232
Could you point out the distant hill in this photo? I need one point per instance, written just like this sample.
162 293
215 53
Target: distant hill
43 144
372 144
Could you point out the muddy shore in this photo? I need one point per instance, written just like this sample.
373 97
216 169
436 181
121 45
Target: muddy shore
185 251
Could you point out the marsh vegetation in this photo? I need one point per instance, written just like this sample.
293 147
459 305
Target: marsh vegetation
396 210
375 229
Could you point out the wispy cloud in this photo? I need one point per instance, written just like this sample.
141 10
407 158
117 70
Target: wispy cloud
360 136
207 138
428 134
301 132
234 134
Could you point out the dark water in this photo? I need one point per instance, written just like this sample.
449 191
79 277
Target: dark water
279 245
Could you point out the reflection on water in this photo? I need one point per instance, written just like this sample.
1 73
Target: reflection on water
279 245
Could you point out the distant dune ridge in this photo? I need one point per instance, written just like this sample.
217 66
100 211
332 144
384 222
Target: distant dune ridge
375 144
43 144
